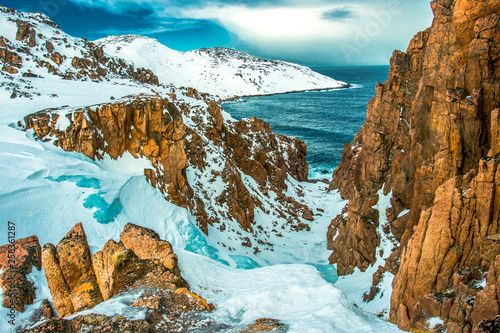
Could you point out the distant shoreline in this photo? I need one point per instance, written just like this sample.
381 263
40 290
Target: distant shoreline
230 99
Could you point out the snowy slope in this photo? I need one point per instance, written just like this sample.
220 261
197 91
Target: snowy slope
44 191
218 71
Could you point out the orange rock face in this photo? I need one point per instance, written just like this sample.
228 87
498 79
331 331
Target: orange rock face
79 280
154 128
69 273
17 260
430 138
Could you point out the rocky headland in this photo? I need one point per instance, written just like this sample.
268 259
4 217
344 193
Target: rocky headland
430 142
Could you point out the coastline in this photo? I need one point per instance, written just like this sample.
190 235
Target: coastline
231 99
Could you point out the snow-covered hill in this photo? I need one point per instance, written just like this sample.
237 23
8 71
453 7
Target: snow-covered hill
219 71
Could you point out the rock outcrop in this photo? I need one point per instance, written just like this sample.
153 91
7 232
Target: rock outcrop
168 311
140 264
17 260
430 141
79 280
154 128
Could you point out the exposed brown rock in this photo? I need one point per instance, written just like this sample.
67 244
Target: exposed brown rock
55 280
488 326
119 269
487 301
92 323
57 58
430 137
69 273
10 57
49 46
17 260
153 127
265 325
26 31
146 244
79 281
168 311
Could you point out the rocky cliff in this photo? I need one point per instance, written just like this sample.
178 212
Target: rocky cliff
429 143
189 146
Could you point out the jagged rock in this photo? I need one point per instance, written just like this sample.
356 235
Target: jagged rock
265 325
153 127
57 58
175 300
11 58
487 301
430 138
169 311
92 323
17 260
69 273
26 31
488 326
49 46
79 281
146 244
119 269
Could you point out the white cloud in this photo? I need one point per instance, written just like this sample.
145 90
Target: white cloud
368 34
359 31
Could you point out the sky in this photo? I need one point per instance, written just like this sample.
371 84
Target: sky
308 32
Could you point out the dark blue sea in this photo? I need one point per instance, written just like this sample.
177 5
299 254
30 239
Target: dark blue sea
325 120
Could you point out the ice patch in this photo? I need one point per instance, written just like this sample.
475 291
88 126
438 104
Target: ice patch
103 212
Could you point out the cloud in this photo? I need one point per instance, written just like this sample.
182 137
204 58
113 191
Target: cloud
312 31
155 26
339 14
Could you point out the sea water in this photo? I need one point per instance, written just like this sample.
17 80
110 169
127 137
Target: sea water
325 120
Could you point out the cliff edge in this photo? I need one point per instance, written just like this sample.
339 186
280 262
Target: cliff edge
431 144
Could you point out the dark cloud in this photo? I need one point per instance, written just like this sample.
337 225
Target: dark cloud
339 14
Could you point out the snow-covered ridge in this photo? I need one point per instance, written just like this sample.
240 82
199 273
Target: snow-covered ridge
222 72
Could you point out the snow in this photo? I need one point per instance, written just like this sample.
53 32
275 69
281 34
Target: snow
356 284
218 71
46 191
434 321
296 294
126 164
8 28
